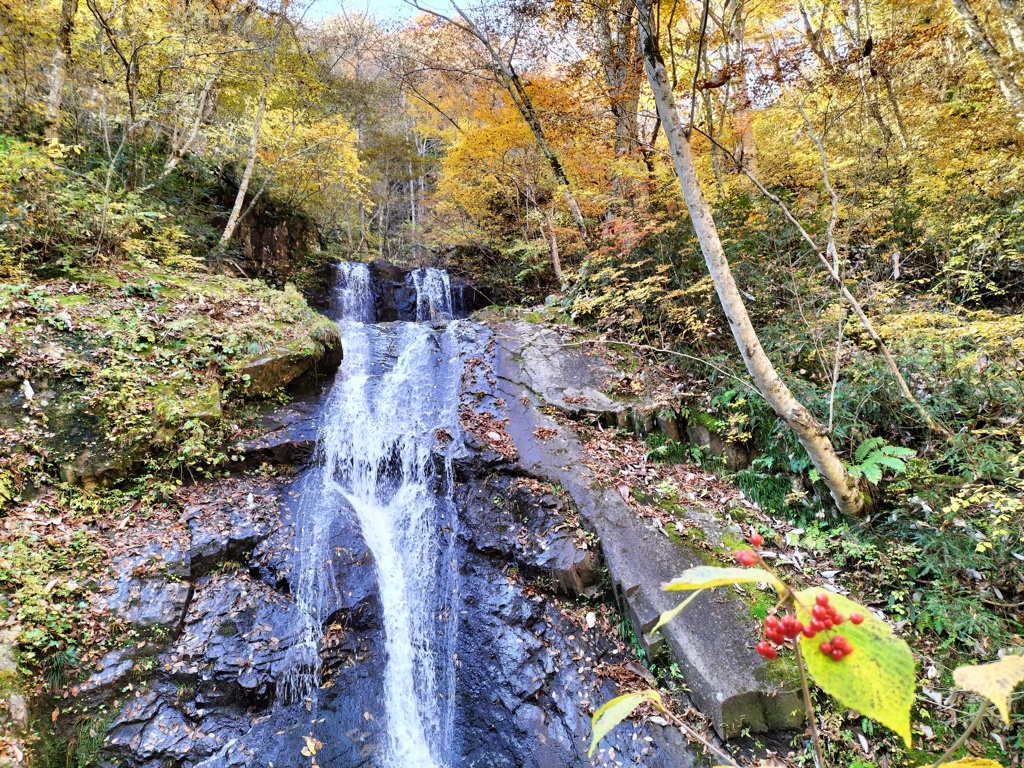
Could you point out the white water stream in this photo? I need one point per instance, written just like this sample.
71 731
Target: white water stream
434 299
353 292
395 395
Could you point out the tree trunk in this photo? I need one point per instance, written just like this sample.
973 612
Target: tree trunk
505 74
250 164
873 109
59 69
254 142
556 261
1012 14
810 433
618 53
894 103
525 106
743 117
996 65
179 149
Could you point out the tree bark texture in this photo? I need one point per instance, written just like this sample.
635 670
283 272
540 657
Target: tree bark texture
59 68
506 76
254 141
1000 69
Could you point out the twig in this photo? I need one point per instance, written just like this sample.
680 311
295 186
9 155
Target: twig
858 310
106 189
963 736
819 758
662 350
697 736
997 604
696 70
836 368
234 263
830 239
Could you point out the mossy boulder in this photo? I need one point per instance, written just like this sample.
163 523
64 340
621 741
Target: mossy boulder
14 717
100 466
8 658
274 369
102 369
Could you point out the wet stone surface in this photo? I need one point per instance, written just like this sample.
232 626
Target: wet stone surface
536 650
219 596
728 681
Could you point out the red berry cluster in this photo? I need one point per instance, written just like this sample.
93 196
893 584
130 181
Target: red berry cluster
746 557
824 618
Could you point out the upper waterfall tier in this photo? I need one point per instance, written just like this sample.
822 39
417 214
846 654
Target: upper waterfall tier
380 292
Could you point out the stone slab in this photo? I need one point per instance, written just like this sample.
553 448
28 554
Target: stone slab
713 642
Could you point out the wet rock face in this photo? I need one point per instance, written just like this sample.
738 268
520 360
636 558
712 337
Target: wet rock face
395 293
540 548
221 619
151 589
529 681
213 597
534 660
728 681
521 521
274 240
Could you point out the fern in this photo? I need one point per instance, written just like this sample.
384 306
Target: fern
874 456
869 445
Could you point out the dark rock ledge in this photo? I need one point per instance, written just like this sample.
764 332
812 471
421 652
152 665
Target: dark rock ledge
210 598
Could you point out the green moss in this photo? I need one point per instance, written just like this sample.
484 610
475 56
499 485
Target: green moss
42 576
78 745
783 671
9 681
141 363
761 603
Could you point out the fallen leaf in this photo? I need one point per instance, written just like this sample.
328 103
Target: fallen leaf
994 681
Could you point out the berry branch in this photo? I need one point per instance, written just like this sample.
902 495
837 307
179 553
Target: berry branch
866 667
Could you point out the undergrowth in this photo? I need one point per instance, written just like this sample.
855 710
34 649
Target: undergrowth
114 334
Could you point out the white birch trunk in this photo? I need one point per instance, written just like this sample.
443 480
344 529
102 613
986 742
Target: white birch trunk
59 68
254 142
1000 69
250 164
811 434
1012 15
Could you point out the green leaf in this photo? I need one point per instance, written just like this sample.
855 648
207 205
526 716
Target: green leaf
871 473
971 762
896 465
877 679
710 576
667 616
618 709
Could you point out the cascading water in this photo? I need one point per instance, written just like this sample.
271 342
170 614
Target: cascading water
394 401
353 295
434 300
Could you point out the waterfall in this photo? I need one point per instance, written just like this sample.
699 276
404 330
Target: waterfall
389 429
353 292
434 301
